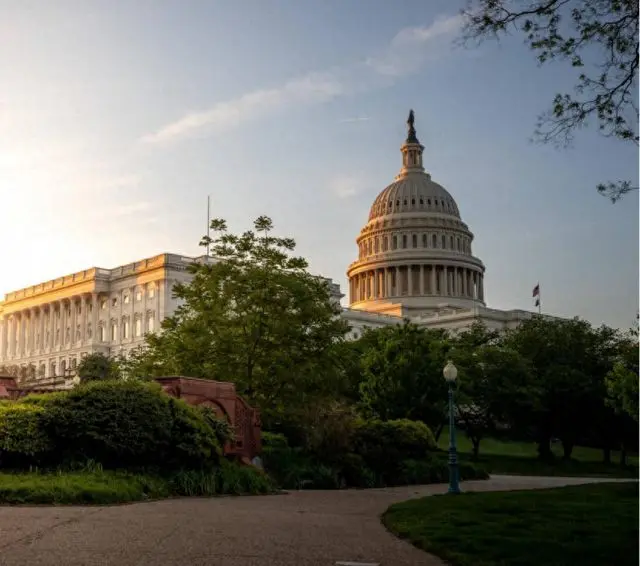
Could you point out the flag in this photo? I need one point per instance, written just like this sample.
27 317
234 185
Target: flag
536 292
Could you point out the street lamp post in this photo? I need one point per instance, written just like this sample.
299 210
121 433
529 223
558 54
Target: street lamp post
450 373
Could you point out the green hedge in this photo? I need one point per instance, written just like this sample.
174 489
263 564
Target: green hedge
382 453
382 444
23 439
120 425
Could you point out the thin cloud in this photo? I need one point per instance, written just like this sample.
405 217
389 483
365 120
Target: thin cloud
347 186
407 52
132 208
357 119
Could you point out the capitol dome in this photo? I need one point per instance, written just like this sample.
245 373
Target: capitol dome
414 252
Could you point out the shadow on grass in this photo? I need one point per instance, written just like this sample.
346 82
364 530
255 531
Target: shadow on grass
531 466
590 525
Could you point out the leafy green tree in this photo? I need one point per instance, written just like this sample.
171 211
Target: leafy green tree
402 375
97 367
596 38
494 384
253 316
564 379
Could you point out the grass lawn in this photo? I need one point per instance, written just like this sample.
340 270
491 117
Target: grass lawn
520 458
79 488
590 525
101 487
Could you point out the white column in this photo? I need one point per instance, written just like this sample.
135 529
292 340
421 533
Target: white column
120 311
41 344
63 326
52 330
73 305
3 335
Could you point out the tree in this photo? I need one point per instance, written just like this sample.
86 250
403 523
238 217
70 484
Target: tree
97 367
622 380
402 375
253 316
566 388
493 384
599 39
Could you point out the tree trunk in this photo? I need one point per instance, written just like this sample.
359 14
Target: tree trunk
544 450
567 448
623 456
438 432
606 455
476 448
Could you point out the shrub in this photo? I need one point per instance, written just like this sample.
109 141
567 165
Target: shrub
274 440
229 478
125 425
221 427
23 440
383 444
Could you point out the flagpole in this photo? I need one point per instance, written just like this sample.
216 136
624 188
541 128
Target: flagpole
539 300
208 222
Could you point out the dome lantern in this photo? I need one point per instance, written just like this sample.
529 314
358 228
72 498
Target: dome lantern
411 150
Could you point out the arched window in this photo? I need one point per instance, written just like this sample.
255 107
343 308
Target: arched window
414 241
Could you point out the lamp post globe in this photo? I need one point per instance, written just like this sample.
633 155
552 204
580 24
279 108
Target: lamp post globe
450 372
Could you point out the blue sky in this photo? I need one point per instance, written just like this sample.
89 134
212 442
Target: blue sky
117 119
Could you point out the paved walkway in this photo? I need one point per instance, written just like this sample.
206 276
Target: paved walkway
308 528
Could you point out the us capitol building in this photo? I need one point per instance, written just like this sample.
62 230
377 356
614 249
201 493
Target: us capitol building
415 261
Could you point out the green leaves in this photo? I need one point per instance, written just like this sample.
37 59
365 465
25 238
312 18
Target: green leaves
599 37
255 317
402 374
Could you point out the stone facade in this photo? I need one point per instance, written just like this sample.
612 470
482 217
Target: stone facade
54 324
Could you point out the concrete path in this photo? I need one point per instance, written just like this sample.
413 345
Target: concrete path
309 528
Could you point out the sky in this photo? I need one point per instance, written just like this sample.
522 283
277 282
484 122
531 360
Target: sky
117 119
